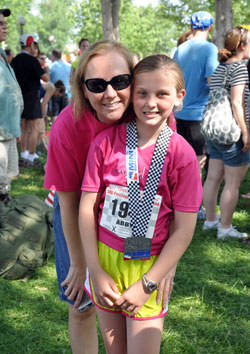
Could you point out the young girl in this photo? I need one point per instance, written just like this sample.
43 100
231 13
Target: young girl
130 251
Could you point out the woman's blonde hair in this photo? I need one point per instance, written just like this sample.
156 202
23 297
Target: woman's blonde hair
233 39
80 103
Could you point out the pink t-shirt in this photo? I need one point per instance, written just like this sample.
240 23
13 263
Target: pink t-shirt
69 143
180 183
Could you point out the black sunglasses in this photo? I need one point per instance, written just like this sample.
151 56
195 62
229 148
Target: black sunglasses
119 82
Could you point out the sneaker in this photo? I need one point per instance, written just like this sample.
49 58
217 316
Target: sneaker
231 232
208 225
25 154
32 157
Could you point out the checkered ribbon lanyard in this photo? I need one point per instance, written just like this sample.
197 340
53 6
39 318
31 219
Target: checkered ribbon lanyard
138 246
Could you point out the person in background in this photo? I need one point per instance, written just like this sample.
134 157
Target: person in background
29 73
185 36
59 70
198 59
82 45
9 55
72 58
11 106
42 57
229 162
47 89
59 91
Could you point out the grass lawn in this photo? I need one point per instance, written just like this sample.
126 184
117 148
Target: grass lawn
209 311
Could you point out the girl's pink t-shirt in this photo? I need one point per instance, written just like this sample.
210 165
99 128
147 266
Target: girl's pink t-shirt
180 184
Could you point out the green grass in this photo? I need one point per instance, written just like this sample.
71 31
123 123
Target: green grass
209 311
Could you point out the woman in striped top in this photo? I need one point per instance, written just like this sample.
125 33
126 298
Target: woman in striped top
229 162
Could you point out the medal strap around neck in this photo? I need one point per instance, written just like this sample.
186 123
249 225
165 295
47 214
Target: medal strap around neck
140 211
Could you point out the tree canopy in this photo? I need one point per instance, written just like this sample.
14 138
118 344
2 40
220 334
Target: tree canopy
145 30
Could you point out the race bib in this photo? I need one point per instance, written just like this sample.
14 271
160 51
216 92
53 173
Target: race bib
115 214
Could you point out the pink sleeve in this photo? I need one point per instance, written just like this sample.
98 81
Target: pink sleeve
61 169
63 165
185 179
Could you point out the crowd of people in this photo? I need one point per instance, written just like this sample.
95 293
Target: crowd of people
126 179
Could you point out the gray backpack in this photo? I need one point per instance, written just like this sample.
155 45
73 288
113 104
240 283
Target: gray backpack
26 235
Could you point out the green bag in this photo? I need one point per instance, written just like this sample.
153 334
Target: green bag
26 235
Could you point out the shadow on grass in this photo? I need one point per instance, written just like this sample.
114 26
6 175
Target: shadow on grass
33 316
209 311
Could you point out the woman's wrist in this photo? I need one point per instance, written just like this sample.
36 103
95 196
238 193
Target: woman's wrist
245 132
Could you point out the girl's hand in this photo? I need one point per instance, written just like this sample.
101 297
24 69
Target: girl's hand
106 291
165 287
133 298
246 142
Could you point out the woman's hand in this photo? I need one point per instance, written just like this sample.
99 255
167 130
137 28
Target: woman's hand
74 282
133 298
165 287
106 291
246 142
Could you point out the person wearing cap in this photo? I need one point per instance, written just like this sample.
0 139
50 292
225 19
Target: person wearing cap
11 106
198 59
29 72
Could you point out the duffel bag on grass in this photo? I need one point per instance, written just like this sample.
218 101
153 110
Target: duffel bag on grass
26 235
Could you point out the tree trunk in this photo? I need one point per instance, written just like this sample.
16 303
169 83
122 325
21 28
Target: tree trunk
110 19
115 18
224 21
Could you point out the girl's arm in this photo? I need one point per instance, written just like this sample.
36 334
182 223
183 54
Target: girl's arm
106 291
69 209
165 287
237 101
184 224
166 284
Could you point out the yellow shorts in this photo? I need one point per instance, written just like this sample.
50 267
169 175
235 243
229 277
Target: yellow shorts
126 273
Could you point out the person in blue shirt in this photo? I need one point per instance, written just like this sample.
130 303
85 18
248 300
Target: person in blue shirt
59 71
198 59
